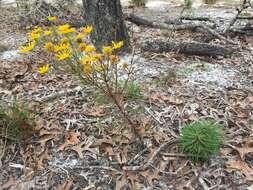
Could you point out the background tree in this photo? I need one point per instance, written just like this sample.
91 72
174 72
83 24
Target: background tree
106 18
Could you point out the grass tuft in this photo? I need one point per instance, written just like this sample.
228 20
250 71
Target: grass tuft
139 2
16 120
201 140
133 91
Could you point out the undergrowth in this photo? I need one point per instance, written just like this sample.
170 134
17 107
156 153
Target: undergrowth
139 2
16 121
201 140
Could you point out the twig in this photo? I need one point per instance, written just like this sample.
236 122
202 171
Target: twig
151 159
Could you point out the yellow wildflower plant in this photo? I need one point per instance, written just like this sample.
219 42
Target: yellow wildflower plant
72 53
117 45
49 46
44 69
82 46
87 29
52 19
29 47
63 55
47 32
79 36
61 47
34 36
89 49
64 41
107 50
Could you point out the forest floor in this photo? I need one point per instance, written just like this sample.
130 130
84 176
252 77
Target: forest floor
82 141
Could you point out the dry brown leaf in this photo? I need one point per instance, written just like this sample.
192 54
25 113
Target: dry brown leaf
120 182
150 176
241 166
43 156
246 149
158 98
96 111
66 185
80 148
10 183
45 139
71 138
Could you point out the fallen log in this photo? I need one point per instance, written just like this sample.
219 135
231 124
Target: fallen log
189 26
190 48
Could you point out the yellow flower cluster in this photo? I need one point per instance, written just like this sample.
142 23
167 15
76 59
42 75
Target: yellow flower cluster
70 46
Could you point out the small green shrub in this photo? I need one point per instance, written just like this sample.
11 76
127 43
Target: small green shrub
3 48
139 2
133 91
16 121
200 140
188 4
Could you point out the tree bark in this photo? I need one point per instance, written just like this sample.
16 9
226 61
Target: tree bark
106 18
190 48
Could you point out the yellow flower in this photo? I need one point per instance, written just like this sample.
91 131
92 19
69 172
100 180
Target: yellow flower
86 60
63 27
107 50
44 69
117 45
89 49
34 36
28 47
65 54
80 36
49 46
47 32
52 19
64 41
87 69
37 30
62 46
87 29
96 57
82 46
114 59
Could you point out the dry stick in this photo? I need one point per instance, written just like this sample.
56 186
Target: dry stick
151 159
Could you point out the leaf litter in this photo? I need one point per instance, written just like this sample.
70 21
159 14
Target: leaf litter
80 145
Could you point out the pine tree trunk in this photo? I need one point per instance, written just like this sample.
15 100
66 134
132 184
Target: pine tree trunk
106 18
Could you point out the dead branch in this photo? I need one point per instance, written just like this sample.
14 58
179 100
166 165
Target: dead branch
190 48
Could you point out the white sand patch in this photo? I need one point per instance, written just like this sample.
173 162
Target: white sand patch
11 55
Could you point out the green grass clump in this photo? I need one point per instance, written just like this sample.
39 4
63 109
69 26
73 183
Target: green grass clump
139 2
16 121
201 140
133 91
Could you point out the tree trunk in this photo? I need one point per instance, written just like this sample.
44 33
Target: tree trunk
106 18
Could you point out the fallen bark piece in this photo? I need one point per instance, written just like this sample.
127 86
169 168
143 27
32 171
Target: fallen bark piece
190 48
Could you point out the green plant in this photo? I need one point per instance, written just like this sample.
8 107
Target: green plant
139 2
133 91
3 48
188 4
16 121
200 140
